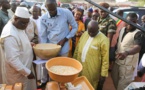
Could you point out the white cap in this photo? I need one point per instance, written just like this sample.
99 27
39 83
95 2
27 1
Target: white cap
38 5
22 12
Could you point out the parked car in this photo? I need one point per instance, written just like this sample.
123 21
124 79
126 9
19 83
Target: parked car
32 2
140 11
66 5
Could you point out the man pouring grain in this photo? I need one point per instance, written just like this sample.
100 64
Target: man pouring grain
55 28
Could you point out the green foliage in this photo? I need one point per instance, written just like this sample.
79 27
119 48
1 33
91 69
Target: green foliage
141 2
65 1
133 0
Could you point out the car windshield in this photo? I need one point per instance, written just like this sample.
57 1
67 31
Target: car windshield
127 12
139 12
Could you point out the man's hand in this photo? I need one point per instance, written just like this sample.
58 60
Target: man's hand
101 83
32 44
122 56
31 76
62 42
79 34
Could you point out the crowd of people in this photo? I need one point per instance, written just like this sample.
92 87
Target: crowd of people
94 38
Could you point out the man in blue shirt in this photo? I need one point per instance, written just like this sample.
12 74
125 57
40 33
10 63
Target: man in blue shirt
55 28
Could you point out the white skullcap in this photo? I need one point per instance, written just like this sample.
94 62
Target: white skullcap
22 12
38 5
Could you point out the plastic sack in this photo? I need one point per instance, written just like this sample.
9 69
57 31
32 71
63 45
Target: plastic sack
72 87
141 67
143 60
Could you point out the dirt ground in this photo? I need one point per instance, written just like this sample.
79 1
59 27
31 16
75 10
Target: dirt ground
108 85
